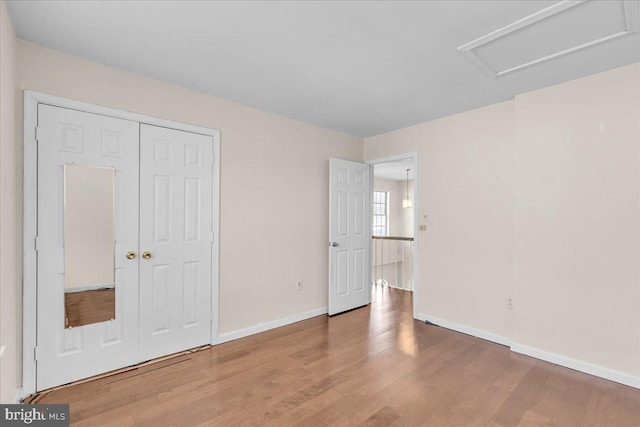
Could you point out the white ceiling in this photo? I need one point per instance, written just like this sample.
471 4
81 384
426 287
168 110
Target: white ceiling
395 171
359 67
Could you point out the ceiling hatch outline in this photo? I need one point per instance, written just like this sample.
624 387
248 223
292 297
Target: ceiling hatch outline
630 8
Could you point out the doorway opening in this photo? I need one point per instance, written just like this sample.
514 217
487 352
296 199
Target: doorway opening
393 244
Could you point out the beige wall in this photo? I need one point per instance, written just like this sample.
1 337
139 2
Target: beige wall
274 181
536 199
465 171
577 290
10 264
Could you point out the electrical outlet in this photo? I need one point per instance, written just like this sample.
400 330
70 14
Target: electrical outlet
299 285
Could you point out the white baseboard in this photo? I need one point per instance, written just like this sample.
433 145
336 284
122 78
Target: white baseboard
558 359
489 336
241 333
578 365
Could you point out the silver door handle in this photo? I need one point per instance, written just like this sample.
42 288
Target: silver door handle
334 244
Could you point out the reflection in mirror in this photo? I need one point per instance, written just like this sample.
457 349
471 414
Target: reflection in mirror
89 243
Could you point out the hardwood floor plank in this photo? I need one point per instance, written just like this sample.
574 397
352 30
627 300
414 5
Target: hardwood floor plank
523 397
105 421
484 406
405 389
533 419
383 417
517 369
309 408
627 409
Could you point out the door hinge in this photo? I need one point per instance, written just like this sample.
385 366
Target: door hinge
212 237
36 243
213 159
211 315
37 134
35 353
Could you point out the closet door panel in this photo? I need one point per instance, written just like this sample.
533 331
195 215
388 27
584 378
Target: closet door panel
83 146
176 233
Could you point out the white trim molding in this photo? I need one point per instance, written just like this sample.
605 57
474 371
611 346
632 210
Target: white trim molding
29 306
632 25
263 327
468 330
578 365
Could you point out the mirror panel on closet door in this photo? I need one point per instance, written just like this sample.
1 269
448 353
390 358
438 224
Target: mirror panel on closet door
89 244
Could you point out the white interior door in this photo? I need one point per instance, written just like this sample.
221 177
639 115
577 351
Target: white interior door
71 137
349 235
176 231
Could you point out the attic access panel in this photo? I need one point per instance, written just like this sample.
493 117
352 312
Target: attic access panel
555 31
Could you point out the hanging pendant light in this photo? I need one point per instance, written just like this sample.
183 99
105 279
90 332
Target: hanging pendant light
407 202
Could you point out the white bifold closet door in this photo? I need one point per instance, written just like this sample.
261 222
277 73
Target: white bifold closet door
176 231
71 137
163 197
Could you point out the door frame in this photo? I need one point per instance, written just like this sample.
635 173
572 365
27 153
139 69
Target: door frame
30 211
395 158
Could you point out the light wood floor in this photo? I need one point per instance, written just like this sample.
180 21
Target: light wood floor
372 366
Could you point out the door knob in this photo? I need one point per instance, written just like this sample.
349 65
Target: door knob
334 244
146 255
131 255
